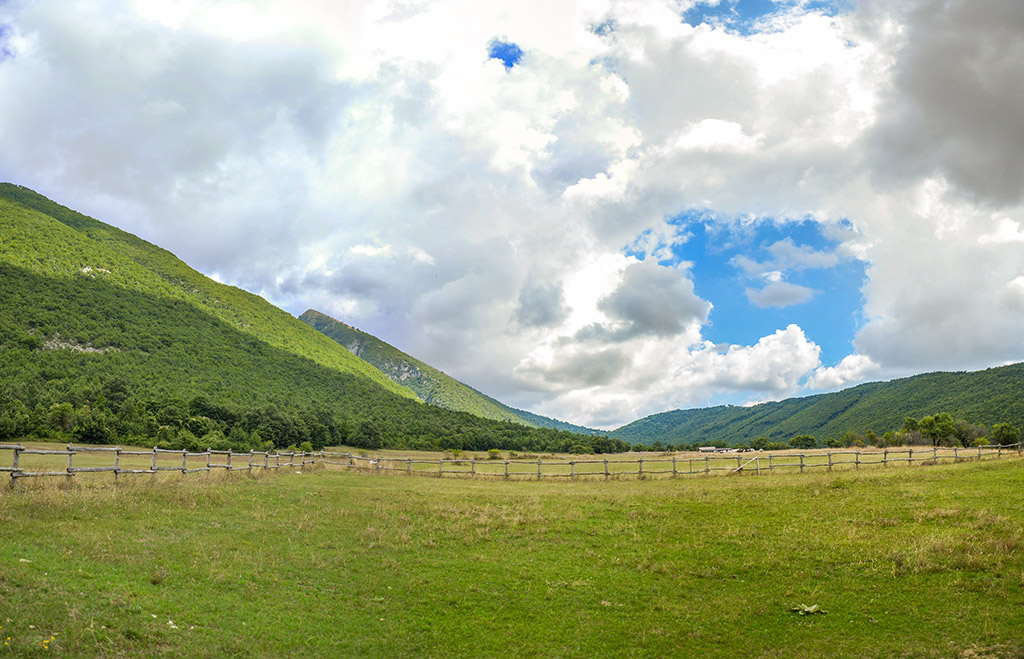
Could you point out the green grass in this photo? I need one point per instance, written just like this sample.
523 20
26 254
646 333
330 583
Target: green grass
907 562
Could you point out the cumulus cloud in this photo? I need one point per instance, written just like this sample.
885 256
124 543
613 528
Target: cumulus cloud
367 159
541 305
779 294
955 103
851 370
787 255
650 300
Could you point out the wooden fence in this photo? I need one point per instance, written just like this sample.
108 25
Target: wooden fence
668 465
147 461
155 460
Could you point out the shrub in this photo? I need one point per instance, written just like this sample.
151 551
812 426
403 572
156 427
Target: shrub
494 454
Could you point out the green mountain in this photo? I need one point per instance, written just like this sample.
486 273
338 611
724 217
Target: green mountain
105 337
430 384
981 397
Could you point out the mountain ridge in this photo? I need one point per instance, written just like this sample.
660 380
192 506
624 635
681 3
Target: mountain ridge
430 384
981 397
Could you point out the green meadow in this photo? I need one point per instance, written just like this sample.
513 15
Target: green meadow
921 562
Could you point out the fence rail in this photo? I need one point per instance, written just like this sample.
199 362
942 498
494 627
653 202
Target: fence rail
670 466
157 460
152 461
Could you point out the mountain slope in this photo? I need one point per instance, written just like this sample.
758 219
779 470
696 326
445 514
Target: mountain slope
430 384
57 241
104 337
980 397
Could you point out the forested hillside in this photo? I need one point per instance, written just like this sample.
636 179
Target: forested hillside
104 337
430 384
981 397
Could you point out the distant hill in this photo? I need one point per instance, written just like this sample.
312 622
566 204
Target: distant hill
980 397
430 384
105 337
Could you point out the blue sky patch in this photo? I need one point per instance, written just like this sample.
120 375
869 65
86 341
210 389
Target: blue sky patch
743 15
764 275
506 51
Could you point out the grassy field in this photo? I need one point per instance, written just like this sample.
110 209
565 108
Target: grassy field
907 562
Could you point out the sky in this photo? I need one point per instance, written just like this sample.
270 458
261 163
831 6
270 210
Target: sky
595 210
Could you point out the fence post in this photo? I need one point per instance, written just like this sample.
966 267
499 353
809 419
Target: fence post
266 460
14 466
208 454
956 454
250 460
707 466
572 469
408 465
757 464
229 460
673 466
606 468
885 457
640 473
829 460
771 465
153 464
440 467
506 469
801 463
910 458
70 472
184 461
117 462
538 468
472 466
856 460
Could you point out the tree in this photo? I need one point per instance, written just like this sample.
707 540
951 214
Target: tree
939 428
62 416
367 435
759 443
803 441
92 428
1004 433
850 438
965 433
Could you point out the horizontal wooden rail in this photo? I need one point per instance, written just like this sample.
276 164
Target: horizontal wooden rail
160 460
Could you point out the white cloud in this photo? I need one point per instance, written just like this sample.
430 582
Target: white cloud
367 159
779 294
852 369
1008 231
